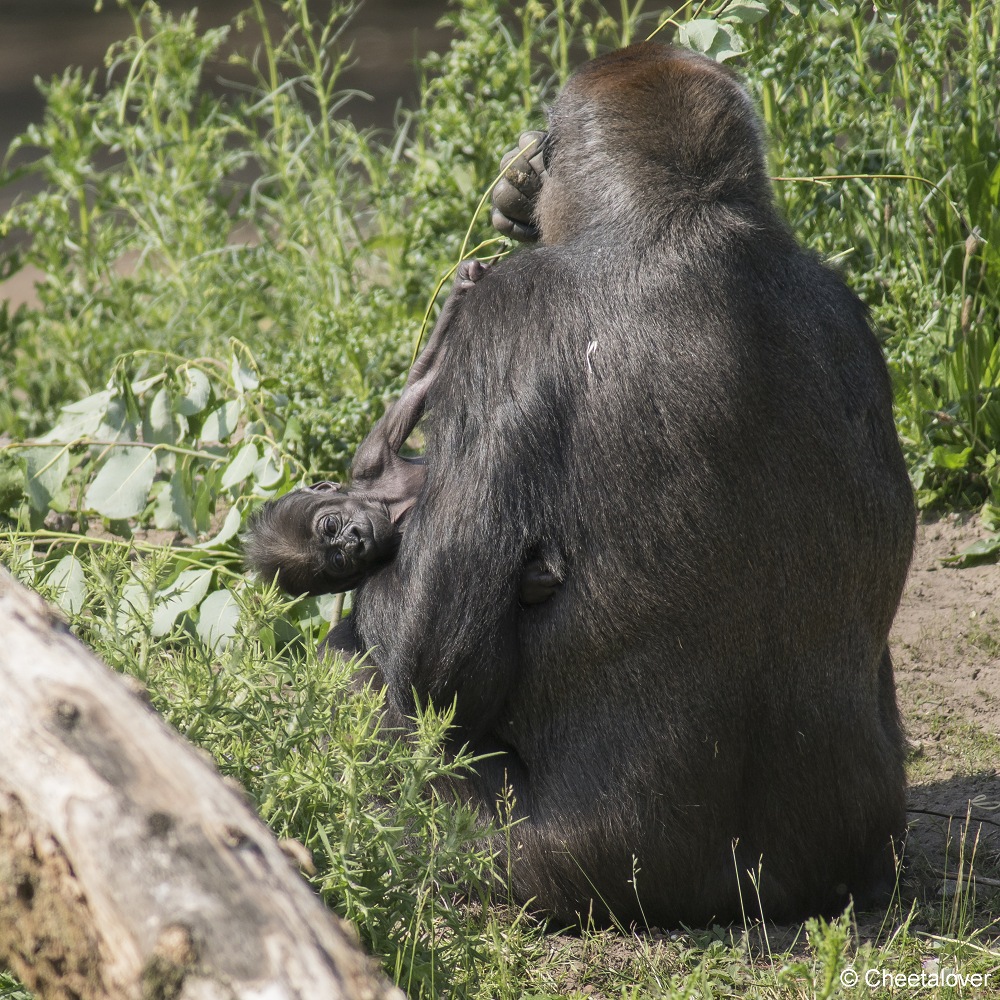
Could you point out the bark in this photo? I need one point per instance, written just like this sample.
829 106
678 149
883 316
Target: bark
128 866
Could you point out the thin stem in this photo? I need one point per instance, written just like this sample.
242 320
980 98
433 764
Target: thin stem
823 179
195 558
670 20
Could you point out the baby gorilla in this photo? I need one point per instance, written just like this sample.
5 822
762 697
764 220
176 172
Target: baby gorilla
324 540
321 540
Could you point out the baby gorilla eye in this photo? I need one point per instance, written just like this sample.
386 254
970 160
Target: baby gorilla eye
339 559
331 525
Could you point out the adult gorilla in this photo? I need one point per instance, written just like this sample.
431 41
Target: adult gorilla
686 417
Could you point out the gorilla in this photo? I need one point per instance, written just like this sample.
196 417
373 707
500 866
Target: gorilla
686 417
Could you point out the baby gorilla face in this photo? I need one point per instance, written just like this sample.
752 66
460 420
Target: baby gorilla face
351 537
318 540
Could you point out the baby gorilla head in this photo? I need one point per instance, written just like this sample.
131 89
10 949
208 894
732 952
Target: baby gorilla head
319 540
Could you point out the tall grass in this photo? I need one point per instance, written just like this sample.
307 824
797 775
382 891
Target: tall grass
908 99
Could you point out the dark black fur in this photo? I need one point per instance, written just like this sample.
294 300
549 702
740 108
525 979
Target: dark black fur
690 412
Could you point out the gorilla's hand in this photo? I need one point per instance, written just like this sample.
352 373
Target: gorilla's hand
515 192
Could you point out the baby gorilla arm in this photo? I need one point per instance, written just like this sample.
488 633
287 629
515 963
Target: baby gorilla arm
322 540
379 471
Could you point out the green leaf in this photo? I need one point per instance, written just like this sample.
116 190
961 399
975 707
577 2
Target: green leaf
47 470
325 603
241 466
744 12
985 550
68 583
121 527
182 595
164 516
121 488
881 14
219 616
228 530
173 507
13 482
713 38
145 384
990 515
267 473
158 425
727 44
221 422
698 34
116 425
950 457
133 605
995 185
203 505
81 419
196 394
243 377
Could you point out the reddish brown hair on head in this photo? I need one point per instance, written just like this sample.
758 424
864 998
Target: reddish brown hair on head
650 129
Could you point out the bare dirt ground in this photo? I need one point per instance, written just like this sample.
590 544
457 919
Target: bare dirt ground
946 646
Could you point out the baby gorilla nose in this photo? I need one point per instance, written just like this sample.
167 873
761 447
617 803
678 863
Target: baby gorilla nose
353 537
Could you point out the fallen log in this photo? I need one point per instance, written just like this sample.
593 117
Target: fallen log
128 866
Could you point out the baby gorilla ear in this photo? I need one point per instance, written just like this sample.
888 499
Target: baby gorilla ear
324 486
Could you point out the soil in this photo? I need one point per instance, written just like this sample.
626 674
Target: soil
946 648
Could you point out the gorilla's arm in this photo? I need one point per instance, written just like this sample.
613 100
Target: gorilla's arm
322 539
441 618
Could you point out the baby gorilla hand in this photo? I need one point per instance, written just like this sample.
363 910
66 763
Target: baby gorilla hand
515 193
467 274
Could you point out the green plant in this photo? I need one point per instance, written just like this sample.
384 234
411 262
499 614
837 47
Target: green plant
392 854
899 107
184 450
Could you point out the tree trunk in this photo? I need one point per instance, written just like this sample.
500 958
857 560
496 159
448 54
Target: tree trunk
128 866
